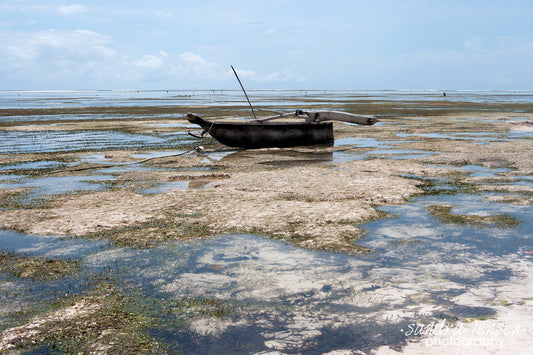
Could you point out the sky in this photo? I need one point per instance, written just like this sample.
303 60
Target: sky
273 44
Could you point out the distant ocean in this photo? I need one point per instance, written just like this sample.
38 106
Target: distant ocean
103 98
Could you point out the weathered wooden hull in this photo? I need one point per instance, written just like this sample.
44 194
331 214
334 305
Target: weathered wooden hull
254 134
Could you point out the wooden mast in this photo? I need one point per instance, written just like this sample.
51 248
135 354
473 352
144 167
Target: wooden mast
242 87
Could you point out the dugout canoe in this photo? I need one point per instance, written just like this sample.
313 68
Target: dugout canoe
266 133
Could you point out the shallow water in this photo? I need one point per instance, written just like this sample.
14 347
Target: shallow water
521 134
20 142
25 295
281 293
167 186
364 142
41 164
55 185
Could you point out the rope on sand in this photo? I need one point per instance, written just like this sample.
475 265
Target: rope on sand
198 149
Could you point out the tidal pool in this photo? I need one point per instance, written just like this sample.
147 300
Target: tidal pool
279 297
56 185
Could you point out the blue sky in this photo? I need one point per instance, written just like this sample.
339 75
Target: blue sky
274 44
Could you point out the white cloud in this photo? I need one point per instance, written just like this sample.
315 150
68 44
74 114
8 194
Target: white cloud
86 55
48 46
191 58
151 61
52 56
72 9
83 58
190 63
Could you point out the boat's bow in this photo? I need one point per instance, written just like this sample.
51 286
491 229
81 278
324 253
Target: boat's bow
194 118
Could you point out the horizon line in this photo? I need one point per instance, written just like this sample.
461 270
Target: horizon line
214 90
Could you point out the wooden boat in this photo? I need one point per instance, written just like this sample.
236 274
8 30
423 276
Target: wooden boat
264 133
261 133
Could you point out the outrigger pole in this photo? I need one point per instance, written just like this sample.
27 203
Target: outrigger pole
242 87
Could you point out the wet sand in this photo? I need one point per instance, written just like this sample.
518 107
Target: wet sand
314 198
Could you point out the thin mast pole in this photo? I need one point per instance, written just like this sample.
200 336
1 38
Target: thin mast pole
242 87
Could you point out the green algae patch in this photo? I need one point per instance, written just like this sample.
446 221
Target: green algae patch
22 266
199 305
153 232
513 199
444 214
104 321
338 243
450 185
512 194
21 199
